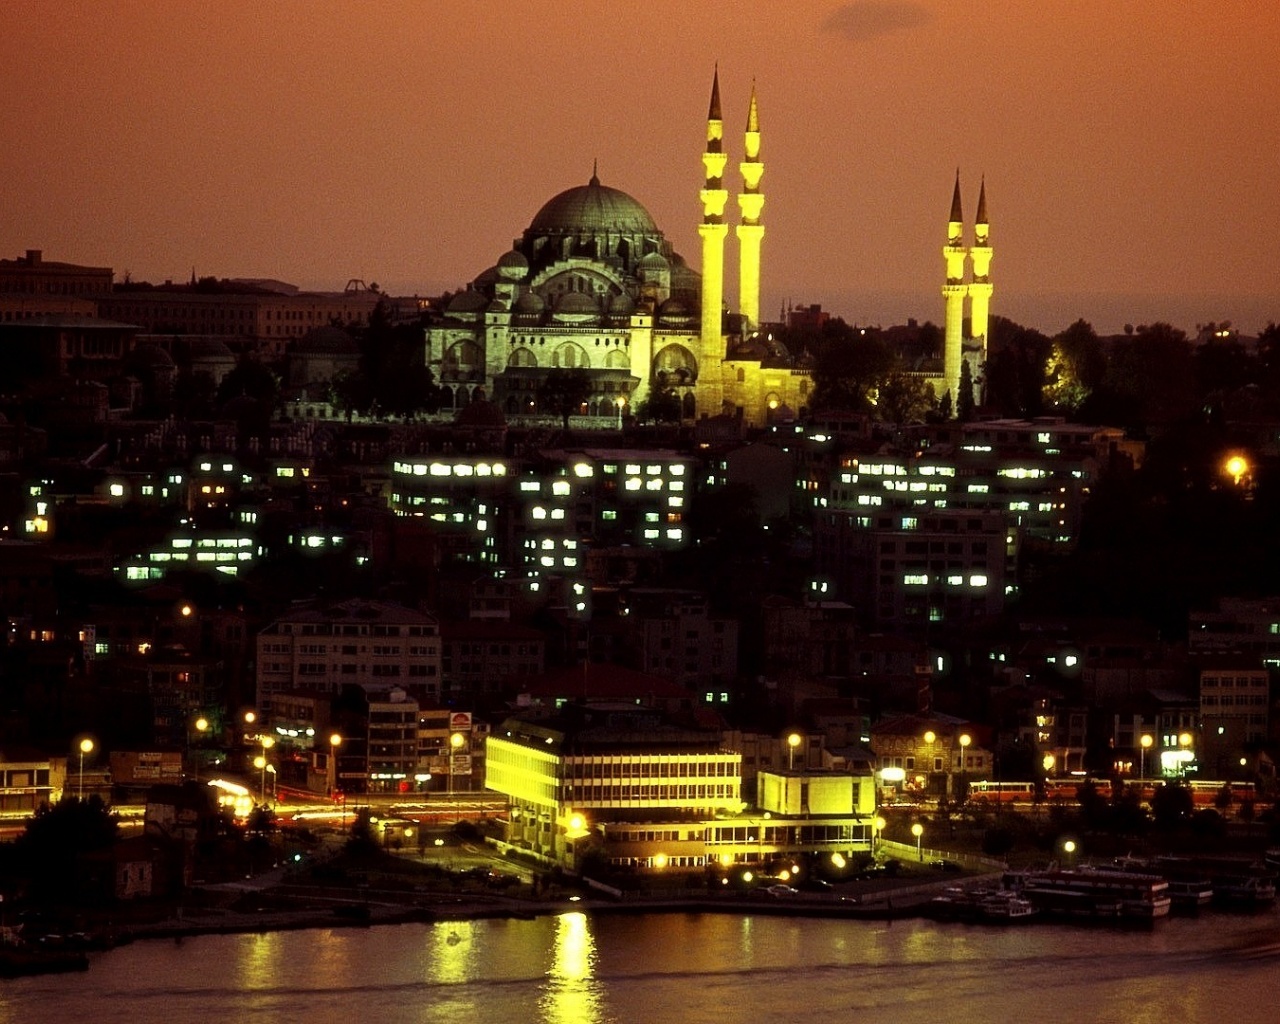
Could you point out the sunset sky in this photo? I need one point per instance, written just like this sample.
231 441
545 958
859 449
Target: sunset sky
1131 148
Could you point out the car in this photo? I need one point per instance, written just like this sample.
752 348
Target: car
944 865
781 890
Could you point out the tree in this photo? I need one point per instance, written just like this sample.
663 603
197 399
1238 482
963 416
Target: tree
1076 366
1171 804
905 398
850 365
250 379
662 406
57 836
965 404
361 841
1017 357
564 392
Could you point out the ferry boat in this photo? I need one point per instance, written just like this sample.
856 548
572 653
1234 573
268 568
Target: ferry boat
996 906
1188 895
1234 881
1096 893
1006 907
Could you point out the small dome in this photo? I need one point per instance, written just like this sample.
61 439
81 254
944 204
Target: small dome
676 312
654 261
750 349
621 304
467 302
512 266
530 302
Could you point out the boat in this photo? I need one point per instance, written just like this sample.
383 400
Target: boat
1188 895
999 906
1007 907
1234 882
1189 888
1094 893
20 959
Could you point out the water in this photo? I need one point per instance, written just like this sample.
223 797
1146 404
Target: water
677 968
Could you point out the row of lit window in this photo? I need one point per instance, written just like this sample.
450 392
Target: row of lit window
463 469
922 579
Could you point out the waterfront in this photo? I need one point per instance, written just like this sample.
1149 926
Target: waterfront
679 967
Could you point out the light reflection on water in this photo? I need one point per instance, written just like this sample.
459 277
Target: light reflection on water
679 968
573 994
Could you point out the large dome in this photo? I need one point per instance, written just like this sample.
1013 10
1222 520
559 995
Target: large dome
592 207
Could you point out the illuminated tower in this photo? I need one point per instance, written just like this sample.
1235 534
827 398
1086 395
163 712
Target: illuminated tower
953 292
980 289
713 230
750 231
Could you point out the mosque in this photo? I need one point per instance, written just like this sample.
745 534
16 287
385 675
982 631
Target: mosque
593 284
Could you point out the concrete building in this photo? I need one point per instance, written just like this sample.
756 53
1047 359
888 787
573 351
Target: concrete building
374 645
622 784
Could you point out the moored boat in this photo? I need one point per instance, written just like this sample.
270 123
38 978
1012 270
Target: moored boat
1096 893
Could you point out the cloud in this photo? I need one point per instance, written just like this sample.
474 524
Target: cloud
866 19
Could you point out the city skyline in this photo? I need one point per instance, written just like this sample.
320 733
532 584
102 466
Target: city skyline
1126 153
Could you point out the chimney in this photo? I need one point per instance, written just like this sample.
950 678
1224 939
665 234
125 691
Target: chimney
34 256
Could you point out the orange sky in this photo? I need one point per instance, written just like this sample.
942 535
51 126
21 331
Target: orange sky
1130 147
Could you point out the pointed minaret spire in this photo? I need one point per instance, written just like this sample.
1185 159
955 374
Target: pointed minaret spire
595 171
750 231
954 290
980 288
713 229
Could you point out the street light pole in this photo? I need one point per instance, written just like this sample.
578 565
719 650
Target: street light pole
1144 745
917 830
793 741
86 746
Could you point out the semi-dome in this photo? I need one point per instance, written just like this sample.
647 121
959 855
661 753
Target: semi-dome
592 207
576 308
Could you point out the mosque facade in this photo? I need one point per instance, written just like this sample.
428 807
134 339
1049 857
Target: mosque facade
594 285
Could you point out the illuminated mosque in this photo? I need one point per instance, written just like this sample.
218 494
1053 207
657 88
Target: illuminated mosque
593 284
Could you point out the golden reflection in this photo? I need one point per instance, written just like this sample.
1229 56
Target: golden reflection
262 961
452 953
573 995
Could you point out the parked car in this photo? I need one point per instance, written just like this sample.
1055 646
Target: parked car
781 890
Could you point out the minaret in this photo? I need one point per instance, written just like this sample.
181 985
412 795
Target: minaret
713 230
981 288
750 231
954 292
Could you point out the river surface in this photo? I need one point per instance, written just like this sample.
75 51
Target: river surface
678 969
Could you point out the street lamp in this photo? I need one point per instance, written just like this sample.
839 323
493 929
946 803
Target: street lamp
260 762
917 830
202 727
456 740
877 827
86 747
1236 467
1069 850
335 741
622 403
1144 745
965 740
793 741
